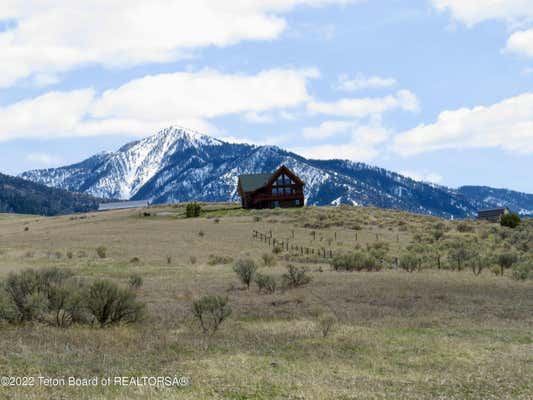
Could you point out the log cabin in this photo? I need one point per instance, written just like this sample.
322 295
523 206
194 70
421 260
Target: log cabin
492 214
282 188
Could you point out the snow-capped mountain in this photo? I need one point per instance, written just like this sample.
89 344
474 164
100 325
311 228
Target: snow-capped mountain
521 203
178 165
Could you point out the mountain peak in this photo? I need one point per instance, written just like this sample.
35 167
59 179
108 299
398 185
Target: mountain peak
179 133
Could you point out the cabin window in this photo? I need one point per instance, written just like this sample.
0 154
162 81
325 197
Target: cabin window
283 180
296 202
275 204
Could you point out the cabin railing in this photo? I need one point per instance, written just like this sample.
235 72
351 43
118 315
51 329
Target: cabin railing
277 197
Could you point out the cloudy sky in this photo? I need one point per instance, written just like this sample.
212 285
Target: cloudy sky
441 90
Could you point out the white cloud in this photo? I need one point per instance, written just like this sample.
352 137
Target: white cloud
515 12
363 107
44 79
527 71
521 42
365 142
204 94
472 12
361 82
327 129
43 159
144 105
49 115
425 176
257 118
507 125
52 36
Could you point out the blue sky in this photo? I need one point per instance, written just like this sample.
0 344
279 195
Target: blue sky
441 90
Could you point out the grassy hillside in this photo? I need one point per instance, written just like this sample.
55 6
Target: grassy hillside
433 333
25 197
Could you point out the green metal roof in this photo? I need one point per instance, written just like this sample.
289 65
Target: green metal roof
251 182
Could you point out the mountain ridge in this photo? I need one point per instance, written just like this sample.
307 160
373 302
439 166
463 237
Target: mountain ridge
178 164
25 197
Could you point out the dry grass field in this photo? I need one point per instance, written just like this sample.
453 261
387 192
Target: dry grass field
430 334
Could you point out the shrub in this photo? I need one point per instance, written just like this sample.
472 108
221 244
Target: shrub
277 249
192 259
464 226
438 233
477 264
70 255
108 304
169 260
245 268
268 259
460 254
8 310
326 323
510 220
30 295
35 306
193 210
265 283
377 251
135 260
67 305
135 281
101 251
216 220
295 277
506 260
201 234
409 262
215 259
356 261
54 297
495 270
523 271
210 312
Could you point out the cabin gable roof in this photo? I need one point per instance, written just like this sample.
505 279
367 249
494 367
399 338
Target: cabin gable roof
284 170
252 182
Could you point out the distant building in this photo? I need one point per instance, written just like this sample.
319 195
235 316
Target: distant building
119 205
492 214
279 189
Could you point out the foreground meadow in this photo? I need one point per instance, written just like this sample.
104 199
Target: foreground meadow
434 333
